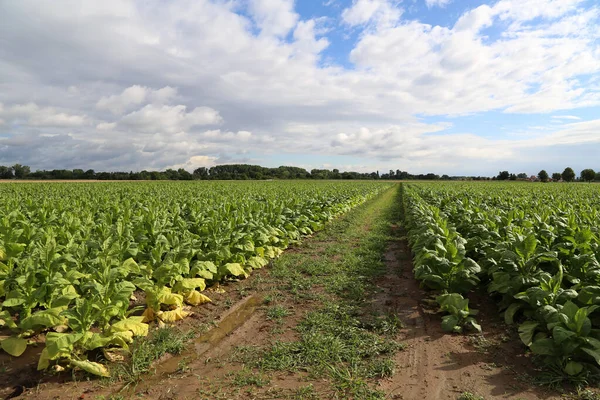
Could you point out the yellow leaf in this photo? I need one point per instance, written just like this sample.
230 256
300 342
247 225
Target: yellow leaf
196 298
2 255
91 367
171 316
149 315
133 324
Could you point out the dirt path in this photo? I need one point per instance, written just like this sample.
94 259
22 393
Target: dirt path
436 365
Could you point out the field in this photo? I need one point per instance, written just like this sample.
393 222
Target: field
184 290
78 261
535 249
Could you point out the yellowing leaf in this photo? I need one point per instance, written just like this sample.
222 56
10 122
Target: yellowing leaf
196 298
174 315
234 269
91 367
3 256
133 324
149 315
257 262
15 346
188 284
166 297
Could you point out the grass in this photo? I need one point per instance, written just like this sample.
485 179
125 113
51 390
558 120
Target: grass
337 339
149 349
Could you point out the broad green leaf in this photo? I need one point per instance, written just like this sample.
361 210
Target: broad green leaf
15 346
449 323
61 344
43 319
526 331
573 368
510 312
543 347
594 353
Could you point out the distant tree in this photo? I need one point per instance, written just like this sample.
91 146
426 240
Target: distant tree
503 175
512 177
201 173
21 171
445 177
522 175
78 174
568 174
543 176
597 176
184 175
588 175
556 176
6 172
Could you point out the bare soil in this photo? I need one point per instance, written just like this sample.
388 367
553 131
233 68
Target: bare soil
437 365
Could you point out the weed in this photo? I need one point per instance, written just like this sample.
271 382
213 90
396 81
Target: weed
469 396
277 312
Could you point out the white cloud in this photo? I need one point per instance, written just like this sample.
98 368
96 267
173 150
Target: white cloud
33 115
138 71
381 12
106 126
573 117
438 3
134 96
273 17
171 119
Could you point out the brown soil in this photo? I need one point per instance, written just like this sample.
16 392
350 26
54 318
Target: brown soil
437 365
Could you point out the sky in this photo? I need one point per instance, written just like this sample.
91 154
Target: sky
458 87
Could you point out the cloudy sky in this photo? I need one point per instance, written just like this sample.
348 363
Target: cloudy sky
444 86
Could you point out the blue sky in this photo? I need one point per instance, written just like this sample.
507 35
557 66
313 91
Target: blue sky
458 87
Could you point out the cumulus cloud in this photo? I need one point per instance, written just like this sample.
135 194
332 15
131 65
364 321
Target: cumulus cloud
33 115
227 80
170 119
134 96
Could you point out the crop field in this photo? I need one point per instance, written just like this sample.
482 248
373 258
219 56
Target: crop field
535 248
86 267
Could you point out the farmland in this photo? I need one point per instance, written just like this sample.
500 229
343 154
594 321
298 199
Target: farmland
380 298
75 259
535 249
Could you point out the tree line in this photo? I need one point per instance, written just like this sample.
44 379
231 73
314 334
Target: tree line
219 172
568 175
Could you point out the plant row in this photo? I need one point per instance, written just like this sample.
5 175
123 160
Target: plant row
86 267
535 250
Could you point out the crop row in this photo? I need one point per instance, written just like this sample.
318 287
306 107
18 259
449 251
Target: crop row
534 248
75 257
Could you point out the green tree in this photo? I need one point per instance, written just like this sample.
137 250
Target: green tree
588 175
556 176
503 175
21 171
543 175
568 174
